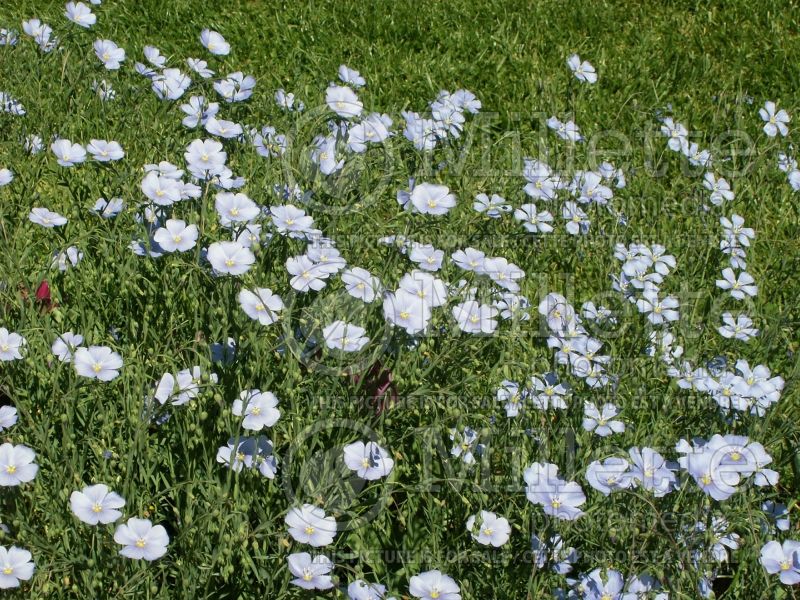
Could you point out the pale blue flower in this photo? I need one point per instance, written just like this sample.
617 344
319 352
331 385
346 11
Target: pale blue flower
109 54
214 42
96 504
141 539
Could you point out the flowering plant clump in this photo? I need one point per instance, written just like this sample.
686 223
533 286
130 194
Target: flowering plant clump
421 302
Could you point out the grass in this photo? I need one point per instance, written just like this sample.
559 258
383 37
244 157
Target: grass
710 66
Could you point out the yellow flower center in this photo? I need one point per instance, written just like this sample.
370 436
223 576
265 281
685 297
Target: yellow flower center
229 262
8 571
309 530
11 469
97 367
405 314
96 508
140 543
259 307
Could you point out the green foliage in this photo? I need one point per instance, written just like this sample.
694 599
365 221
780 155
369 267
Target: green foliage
228 538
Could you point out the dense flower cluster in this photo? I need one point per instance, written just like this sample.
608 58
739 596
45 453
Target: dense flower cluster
203 209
